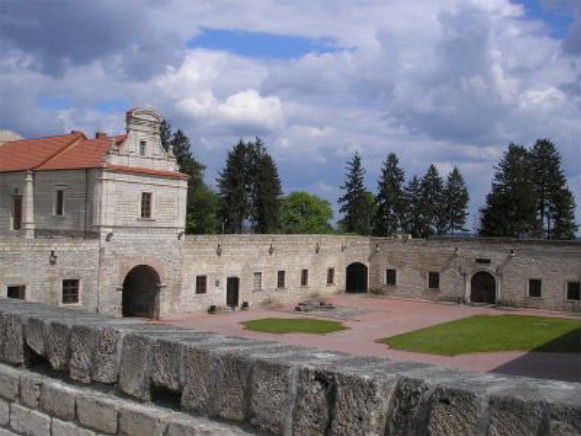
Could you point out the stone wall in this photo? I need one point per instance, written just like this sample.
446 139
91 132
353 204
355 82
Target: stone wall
12 184
268 387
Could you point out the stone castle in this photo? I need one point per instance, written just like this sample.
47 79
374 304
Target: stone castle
99 224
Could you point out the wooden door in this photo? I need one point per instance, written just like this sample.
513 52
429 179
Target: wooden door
232 289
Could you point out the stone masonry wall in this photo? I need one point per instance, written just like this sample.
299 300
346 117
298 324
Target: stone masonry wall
270 388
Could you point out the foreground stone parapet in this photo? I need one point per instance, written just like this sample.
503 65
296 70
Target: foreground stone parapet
134 377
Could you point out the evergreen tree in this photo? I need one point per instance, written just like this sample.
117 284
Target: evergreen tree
165 134
511 206
456 202
413 216
354 203
233 184
433 211
265 188
390 201
555 203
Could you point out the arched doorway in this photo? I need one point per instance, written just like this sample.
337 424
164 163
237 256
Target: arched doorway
483 288
356 280
141 293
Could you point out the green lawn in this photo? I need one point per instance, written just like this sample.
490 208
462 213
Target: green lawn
294 325
482 333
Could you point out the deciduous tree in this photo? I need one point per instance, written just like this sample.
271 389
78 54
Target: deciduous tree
302 212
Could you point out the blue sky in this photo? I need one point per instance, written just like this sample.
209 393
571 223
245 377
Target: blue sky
450 82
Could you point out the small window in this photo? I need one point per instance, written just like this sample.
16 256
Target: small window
574 291
280 279
434 280
534 288
70 291
390 276
304 277
257 284
18 292
331 276
16 212
142 148
483 261
146 205
59 202
201 284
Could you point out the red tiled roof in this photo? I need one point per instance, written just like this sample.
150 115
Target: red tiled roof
66 152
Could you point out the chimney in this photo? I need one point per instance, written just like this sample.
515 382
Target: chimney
100 135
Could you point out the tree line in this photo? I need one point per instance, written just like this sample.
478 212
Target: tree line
528 198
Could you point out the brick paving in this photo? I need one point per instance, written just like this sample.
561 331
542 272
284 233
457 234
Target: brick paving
374 318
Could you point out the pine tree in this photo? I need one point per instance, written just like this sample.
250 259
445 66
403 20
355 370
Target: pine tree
233 184
354 203
165 134
390 201
511 206
414 224
266 191
456 202
432 206
555 203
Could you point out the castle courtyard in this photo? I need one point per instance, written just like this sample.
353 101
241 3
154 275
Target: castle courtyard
372 318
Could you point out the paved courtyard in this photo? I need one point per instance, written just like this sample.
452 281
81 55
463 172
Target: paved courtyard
371 318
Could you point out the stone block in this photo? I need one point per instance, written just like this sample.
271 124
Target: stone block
63 428
28 422
135 368
9 381
167 364
83 341
98 412
142 420
4 413
57 343
30 387
565 419
34 334
106 356
12 338
199 387
58 400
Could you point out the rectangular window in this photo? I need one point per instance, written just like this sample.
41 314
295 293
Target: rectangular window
257 283
59 203
390 276
70 291
17 212
201 284
574 291
534 288
146 205
280 279
142 148
304 277
18 292
331 276
434 280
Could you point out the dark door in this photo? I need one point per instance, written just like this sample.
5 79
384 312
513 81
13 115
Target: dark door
483 288
232 286
140 296
356 280
17 212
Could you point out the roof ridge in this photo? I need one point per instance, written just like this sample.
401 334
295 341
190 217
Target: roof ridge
62 150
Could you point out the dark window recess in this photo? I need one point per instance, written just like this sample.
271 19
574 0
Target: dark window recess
305 277
70 291
18 292
484 261
17 212
142 148
201 284
280 279
434 280
331 276
390 276
59 207
534 288
146 205
574 291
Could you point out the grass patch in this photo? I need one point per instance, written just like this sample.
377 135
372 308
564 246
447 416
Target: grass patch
482 333
294 325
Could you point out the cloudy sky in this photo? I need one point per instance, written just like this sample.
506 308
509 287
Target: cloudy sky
450 82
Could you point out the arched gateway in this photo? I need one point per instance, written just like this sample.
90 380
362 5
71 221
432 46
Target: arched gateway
356 280
483 288
141 293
